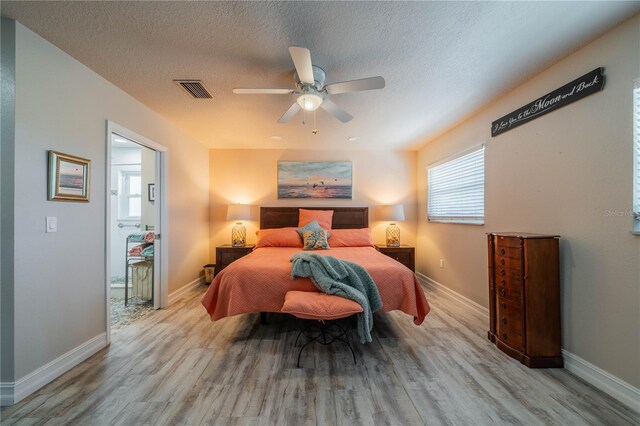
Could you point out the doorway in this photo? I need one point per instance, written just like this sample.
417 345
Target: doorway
136 260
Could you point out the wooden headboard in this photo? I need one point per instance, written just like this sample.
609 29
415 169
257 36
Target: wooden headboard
343 217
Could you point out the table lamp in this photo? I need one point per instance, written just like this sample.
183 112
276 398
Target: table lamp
392 213
238 212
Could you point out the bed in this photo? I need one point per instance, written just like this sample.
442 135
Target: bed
259 281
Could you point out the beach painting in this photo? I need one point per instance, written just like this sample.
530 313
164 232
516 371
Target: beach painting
314 179
68 177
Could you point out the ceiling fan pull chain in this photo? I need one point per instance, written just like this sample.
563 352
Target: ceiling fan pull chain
315 129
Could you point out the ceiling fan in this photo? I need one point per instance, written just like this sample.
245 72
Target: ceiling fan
309 82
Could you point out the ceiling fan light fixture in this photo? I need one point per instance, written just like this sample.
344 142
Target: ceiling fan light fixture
309 82
309 101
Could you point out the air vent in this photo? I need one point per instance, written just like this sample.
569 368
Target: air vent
194 88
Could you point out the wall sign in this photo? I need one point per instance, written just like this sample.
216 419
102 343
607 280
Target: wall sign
579 88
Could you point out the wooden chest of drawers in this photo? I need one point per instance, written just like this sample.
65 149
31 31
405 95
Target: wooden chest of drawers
524 297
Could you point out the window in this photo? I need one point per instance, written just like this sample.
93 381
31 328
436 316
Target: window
456 189
636 155
130 200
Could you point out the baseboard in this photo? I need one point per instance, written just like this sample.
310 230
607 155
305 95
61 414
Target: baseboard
592 374
606 382
173 297
429 282
14 392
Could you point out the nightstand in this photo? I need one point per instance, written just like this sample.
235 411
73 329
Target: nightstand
226 254
403 254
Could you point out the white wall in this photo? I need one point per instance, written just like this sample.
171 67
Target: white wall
249 176
148 175
122 159
562 173
60 277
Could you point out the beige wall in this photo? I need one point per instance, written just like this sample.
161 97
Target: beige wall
249 177
561 173
60 287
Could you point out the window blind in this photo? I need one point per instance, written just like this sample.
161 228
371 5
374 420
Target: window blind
456 189
636 149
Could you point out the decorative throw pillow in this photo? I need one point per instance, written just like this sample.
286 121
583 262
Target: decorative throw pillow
311 226
315 240
323 217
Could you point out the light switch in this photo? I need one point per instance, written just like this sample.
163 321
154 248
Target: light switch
52 224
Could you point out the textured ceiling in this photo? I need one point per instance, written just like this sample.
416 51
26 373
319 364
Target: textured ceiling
441 60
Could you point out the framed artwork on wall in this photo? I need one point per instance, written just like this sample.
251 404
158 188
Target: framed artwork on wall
315 179
68 177
152 191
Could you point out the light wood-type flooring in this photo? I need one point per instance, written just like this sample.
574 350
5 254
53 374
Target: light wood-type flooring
176 367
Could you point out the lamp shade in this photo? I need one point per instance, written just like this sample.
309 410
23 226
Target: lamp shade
238 212
392 212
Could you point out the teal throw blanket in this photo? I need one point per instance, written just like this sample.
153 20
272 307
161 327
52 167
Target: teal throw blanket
344 279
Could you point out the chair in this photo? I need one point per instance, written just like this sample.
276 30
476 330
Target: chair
324 309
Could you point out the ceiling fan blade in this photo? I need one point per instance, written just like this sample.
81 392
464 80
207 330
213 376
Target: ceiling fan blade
291 112
262 91
371 83
335 110
302 60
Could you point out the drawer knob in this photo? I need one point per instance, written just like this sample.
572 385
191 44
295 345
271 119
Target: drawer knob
502 272
502 261
503 292
504 321
502 252
504 306
503 282
504 336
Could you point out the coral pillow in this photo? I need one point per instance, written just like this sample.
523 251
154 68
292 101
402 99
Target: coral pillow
278 237
323 217
315 240
351 238
318 306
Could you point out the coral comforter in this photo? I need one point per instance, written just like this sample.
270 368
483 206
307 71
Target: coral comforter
259 281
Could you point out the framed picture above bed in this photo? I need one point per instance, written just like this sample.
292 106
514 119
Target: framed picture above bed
68 178
315 179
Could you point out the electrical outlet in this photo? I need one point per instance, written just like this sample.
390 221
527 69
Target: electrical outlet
441 263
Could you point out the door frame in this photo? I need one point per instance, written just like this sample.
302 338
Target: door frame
161 258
